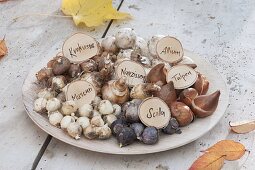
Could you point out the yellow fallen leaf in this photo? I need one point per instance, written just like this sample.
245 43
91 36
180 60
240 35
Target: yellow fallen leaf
230 149
244 126
3 48
208 161
91 12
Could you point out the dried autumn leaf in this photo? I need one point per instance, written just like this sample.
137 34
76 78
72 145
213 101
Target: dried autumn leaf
230 149
208 161
244 126
91 12
3 48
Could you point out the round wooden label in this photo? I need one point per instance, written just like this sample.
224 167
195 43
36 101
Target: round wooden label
169 49
132 71
154 112
81 91
182 76
80 47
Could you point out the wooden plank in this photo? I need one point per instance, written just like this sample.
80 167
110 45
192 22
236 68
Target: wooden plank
220 31
29 39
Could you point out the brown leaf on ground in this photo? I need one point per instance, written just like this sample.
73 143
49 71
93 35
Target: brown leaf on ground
244 126
3 48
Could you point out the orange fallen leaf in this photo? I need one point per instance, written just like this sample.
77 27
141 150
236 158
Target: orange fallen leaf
208 161
213 157
3 48
230 149
244 126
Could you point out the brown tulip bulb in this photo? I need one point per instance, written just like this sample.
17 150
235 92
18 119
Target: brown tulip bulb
188 95
205 105
167 93
201 84
116 91
182 113
144 90
157 75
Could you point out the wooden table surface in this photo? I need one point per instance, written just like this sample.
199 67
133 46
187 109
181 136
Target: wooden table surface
222 32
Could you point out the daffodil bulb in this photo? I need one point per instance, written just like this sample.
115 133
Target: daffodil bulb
55 118
103 132
86 110
97 121
68 107
105 107
83 122
116 109
66 121
108 119
53 104
152 44
45 93
40 105
125 38
74 130
108 44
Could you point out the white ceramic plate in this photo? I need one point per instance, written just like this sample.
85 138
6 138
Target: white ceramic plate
189 133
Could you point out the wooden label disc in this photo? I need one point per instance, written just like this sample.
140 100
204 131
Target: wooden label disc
169 49
132 71
80 47
81 91
154 112
182 76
